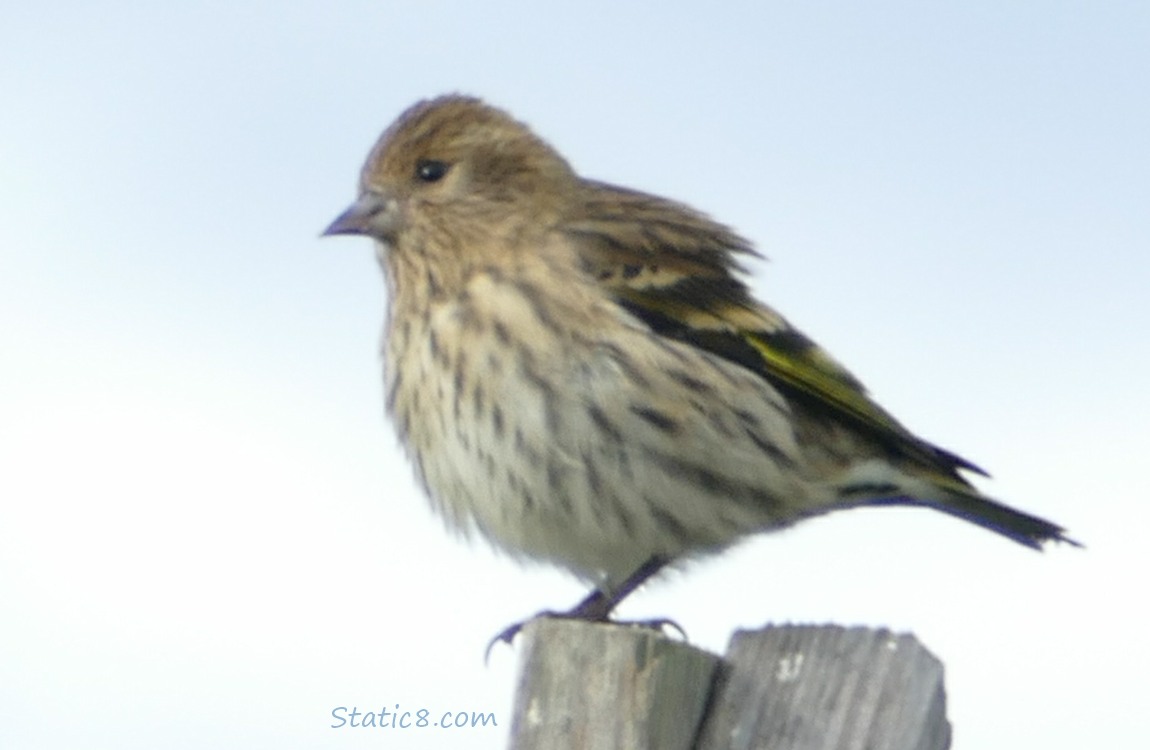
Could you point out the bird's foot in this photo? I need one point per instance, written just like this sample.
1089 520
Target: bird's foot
597 607
507 635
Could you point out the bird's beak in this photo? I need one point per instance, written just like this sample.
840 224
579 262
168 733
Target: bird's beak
372 214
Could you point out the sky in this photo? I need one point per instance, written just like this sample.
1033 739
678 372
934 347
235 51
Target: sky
209 536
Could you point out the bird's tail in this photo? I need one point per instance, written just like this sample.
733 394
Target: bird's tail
951 495
1023 528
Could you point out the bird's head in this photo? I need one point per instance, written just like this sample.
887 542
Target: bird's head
455 165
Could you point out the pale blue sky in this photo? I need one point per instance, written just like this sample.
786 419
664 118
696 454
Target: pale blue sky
208 537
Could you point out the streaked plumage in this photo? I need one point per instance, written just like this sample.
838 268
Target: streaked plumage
578 371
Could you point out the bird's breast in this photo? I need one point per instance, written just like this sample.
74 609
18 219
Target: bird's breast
580 442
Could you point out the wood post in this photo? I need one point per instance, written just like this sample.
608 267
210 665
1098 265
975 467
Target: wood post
791 687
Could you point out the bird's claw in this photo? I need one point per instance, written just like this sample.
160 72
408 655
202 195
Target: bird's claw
507 635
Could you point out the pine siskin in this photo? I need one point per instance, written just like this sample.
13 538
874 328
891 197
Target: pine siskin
578 372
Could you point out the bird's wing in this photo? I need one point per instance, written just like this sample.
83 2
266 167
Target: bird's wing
677 271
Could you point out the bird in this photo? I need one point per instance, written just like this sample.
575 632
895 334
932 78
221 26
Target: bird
580 373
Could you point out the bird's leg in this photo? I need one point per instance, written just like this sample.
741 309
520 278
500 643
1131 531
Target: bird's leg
598 605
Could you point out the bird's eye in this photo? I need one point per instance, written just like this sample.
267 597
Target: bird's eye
430 170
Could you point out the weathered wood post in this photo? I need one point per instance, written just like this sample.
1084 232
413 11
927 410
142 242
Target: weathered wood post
608 686
788 687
